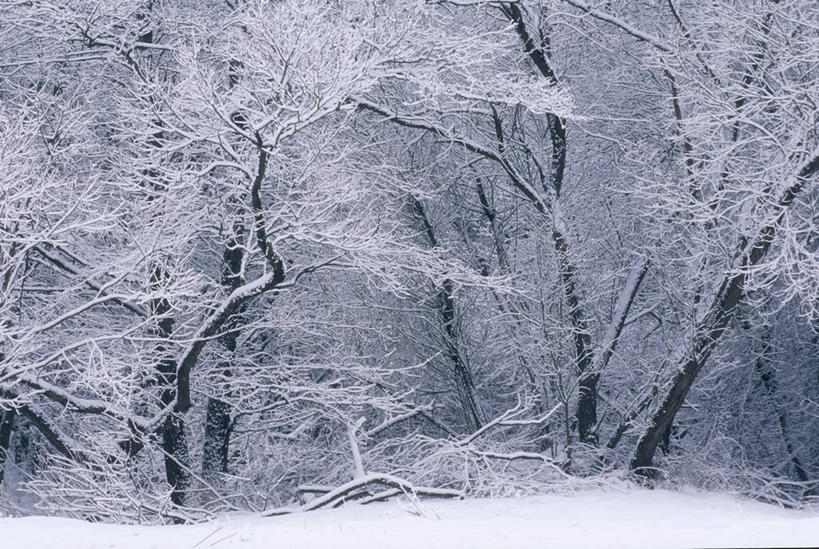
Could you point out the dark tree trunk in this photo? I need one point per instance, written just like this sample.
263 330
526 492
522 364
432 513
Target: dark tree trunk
174 443
709 331
216 449
176 450
586 413
217 438
6 427
216 444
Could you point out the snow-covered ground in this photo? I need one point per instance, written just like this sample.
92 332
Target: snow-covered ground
595 519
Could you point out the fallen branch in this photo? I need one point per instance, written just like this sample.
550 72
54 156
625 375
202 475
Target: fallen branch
355 490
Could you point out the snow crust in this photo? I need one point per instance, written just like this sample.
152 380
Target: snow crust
590 519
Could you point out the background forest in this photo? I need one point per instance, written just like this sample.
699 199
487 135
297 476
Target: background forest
253 249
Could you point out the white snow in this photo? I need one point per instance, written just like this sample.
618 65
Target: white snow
594 519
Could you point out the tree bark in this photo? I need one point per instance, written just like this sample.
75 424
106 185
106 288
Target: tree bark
216 445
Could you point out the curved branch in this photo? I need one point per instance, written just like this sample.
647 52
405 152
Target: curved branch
212 327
